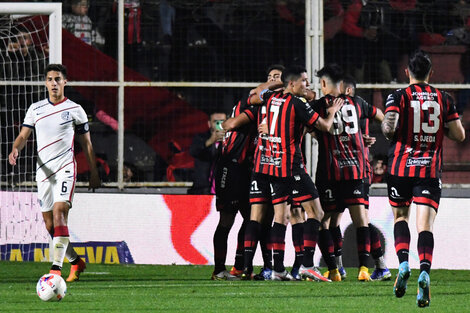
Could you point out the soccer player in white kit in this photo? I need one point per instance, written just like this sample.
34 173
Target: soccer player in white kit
56 120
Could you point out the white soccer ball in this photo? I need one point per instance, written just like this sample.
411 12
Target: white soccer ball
51 287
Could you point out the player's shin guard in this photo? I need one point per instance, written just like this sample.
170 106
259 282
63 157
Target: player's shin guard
363 245
311 227
278 235
60 243
425 250
401 232
298 242
327 248
251 241
220 248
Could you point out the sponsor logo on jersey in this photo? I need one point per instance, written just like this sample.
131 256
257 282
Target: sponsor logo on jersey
347 163
418 162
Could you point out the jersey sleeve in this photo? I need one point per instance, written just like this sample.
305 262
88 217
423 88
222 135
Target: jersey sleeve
450 109
29 118
368 109
252 112
393 102
305 112
81 121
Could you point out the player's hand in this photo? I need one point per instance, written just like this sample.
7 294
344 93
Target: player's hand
13 156
369 141
263 128
95 181
335 106
310 96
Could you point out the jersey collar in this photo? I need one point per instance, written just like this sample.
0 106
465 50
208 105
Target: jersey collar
54 104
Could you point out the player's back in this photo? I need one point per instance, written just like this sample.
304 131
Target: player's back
416 148
341 150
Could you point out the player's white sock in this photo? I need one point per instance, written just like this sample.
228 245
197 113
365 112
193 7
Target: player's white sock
339 261
70 253
380 263
60 247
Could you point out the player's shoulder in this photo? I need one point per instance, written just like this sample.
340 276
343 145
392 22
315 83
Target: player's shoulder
40 103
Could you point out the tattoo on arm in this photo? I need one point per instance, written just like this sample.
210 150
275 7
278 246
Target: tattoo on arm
389 124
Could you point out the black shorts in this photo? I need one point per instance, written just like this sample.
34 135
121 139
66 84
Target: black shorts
402 191
336 196
297 189
232 186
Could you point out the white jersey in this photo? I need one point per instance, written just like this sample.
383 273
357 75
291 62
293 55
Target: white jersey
55 129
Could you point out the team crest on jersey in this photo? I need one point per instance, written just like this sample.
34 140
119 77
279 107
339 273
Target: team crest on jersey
65 115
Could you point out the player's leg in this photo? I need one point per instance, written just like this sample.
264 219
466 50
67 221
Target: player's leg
327 249
278 236
337 237
381 272
226 219
266 245
60 241
360 218
296 220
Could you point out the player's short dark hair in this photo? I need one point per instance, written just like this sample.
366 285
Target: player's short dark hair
349 80
419 65
57 68
278 67
333 71
292 73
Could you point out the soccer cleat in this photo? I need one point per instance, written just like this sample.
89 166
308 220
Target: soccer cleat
55 272
381 274
295 273
334 275
424 290
236 272
399 288
224 275
76 270
265 274
247 274
342 272
363 274
310 273
281 275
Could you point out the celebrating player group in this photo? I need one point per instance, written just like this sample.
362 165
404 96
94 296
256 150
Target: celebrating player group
264 143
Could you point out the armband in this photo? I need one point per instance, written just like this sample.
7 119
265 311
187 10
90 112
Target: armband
82 128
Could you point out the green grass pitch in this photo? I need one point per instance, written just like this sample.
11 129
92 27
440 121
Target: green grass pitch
151 288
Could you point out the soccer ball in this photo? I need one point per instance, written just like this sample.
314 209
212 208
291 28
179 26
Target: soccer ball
51 287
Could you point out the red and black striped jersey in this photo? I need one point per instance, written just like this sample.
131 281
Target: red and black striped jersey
416 148
239 144
369 111
341 150
279 153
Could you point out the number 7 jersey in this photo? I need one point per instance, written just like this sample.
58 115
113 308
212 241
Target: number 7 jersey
416 148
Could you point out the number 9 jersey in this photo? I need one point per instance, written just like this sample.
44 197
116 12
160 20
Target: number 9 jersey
416 148
341 150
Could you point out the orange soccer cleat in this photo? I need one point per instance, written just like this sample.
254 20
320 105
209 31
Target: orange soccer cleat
76 270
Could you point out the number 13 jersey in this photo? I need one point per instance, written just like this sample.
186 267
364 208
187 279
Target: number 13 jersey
416 148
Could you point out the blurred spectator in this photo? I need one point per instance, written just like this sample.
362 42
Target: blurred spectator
379 167
205 150
78 23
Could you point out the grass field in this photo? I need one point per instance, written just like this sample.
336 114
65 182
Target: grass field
149 288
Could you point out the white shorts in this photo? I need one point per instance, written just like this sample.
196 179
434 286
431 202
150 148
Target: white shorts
58 188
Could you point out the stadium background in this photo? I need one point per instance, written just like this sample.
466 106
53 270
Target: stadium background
172 75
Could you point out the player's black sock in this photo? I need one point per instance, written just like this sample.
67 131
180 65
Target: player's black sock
363 245
56 268
278 235
425 250
266 246
251 240
311 227
401 232
375 244
220 248
240 247
326 245
298 241
337 241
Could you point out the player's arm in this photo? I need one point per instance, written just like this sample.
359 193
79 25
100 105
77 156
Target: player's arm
324 124
455 131
389 124
379 115
19 144
256 95
87 147
235 122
